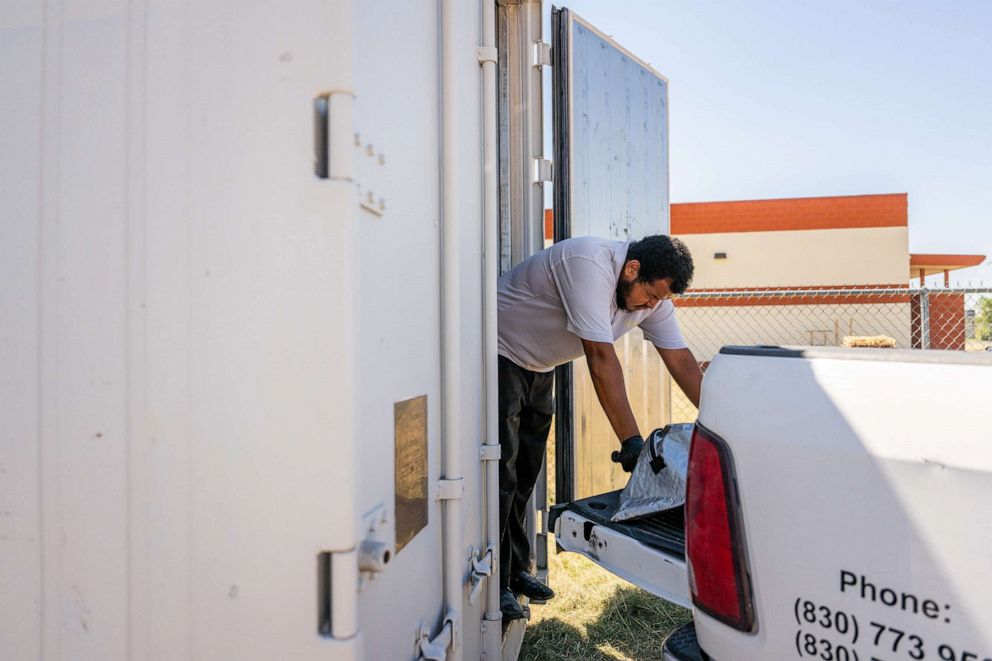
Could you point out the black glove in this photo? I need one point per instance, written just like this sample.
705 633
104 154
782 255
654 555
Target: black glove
629 451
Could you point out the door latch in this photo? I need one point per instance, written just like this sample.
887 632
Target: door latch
482 568
436 648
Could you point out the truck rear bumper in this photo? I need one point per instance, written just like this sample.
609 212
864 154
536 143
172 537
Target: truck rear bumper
682 646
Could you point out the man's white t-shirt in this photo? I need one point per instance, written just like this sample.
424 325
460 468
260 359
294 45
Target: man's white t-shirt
567 292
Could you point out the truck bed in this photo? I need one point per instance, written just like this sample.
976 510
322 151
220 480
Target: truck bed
664 531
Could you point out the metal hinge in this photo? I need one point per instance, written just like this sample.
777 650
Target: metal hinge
543 169
332 133
482 568
450 489
337 585
490 453
542 54
436 648
486 54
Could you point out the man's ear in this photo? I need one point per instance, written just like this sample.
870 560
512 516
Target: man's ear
631 270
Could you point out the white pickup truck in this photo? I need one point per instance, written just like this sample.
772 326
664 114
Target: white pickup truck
837 509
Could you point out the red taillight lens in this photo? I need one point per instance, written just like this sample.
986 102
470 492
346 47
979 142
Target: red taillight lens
718 574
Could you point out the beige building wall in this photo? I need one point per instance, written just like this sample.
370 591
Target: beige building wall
855 256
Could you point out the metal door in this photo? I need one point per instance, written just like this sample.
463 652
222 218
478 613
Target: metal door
611 162
176 460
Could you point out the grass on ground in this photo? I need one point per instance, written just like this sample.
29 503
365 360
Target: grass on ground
597 615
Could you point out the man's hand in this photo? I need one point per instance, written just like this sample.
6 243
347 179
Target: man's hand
629 451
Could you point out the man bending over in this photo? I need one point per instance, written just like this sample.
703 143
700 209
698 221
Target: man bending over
572 299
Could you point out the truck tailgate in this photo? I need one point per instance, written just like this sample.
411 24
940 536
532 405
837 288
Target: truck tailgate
864 478
649 551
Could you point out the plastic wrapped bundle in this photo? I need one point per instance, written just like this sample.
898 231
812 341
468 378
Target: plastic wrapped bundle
658 480
877 341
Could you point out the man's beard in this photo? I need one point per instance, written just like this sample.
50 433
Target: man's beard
623 292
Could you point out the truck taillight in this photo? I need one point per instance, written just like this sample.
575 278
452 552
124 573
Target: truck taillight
718 573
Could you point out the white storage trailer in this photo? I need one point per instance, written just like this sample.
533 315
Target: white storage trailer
248 264
210 350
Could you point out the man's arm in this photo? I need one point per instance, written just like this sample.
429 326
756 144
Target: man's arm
685 370
607 378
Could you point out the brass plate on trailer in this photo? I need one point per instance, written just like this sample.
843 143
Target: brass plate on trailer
410 428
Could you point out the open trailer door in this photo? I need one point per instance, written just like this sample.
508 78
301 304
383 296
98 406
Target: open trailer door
610 115
218 442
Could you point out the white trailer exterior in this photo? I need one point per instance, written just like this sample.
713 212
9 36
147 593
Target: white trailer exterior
249 257
206 348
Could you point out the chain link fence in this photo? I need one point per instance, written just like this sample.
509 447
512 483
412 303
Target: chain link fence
948 319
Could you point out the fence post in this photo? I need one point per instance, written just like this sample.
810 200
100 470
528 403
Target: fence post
925 318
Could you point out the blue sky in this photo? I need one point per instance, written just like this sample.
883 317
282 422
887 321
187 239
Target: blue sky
793 99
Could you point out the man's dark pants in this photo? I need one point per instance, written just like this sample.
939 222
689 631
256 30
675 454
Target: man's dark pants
525 410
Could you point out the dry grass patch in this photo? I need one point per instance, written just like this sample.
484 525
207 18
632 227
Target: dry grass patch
597 615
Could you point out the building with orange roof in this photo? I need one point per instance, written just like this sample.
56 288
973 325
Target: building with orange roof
845 240
851 242
837 248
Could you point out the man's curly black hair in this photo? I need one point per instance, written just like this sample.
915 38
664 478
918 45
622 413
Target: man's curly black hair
663 257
